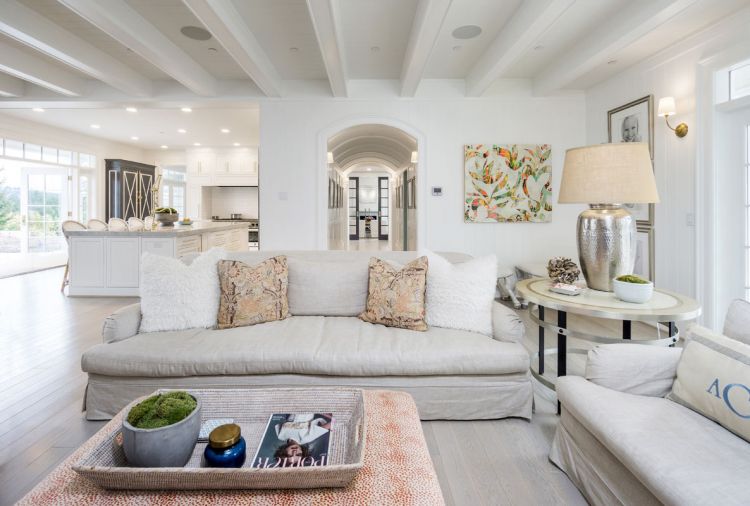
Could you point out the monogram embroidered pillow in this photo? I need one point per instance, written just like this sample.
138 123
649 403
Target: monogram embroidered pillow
713 378
253 294
395 298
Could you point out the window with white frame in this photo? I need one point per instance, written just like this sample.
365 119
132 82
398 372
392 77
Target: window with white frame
173 188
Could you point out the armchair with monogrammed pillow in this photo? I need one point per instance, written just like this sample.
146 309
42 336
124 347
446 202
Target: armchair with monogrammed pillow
713 378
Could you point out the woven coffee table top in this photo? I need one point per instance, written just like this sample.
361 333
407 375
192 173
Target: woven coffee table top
398 470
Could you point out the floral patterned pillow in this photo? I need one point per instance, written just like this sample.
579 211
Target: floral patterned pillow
395 298
252 294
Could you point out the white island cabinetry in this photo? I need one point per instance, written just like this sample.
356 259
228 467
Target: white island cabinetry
104 263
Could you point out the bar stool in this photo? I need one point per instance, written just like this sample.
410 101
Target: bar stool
66 227
95 224
135 224
148 222
117 224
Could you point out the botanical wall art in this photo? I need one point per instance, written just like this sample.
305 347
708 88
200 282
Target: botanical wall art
510 182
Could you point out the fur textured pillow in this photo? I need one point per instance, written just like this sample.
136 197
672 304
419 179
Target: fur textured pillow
460 296
395 298
176 296
252 294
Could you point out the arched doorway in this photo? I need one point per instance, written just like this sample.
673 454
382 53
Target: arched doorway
372 188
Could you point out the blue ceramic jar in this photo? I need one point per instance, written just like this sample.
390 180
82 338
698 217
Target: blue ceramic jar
226 447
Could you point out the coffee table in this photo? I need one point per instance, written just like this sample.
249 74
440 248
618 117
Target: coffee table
397 470
664 308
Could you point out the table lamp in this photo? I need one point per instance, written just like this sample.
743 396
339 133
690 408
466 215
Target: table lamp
605 177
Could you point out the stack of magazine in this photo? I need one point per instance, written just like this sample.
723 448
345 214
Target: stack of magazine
295 440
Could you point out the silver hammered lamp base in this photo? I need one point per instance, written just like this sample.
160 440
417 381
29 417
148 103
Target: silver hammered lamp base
606 244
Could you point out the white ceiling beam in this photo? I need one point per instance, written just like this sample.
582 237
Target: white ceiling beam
428 21
221 18
33 69
325 22
10 86
529 22
612 36
25 25
124 24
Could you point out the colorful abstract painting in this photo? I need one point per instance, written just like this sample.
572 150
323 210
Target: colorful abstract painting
505 183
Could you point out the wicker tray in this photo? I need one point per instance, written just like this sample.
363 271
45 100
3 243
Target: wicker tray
106 466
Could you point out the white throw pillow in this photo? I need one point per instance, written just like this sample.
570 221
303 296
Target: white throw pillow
713 378
460 296
176 296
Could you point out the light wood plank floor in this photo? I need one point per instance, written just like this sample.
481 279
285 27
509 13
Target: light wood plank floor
42 336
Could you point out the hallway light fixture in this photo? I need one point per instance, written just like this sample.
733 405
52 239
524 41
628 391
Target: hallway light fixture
330 157
667 109
414 157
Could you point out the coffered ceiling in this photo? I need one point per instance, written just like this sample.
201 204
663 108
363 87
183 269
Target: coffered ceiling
104 53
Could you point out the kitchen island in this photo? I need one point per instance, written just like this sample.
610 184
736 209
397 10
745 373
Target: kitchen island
107 263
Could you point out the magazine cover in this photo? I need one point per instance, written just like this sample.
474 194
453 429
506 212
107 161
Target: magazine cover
295 440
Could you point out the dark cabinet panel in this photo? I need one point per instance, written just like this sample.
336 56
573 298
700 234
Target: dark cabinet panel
128 189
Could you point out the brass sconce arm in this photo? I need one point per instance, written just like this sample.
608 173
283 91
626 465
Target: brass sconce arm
680 130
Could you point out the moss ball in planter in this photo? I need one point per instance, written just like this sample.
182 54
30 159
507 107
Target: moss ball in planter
632 278
161 431
161 410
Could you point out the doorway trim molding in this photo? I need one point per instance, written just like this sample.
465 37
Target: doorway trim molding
321 209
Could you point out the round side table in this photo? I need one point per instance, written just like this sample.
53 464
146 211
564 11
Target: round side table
664 307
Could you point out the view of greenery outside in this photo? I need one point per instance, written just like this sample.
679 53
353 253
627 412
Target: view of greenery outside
10 217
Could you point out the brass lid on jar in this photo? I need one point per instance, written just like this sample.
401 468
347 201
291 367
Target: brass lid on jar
224 436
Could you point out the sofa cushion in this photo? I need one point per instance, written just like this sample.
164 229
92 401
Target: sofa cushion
737 321
713 378
175 296
460 296
335 346
681 456
252 294
396 295
327 288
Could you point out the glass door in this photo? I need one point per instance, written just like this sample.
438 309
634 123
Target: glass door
44 206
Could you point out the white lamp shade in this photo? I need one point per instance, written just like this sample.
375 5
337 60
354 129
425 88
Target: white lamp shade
616 173
330 157
666 106
413 157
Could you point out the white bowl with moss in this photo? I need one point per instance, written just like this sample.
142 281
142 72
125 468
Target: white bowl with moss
632 288
162 430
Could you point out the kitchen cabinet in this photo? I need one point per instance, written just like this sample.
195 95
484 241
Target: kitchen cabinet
128 189
201 162
87 268
223 167
158 246
123 262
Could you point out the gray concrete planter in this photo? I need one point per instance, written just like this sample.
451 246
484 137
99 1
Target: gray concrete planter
169 446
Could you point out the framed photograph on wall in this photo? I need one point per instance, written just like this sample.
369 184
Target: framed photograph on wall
411 194
634 122
644 253
330 193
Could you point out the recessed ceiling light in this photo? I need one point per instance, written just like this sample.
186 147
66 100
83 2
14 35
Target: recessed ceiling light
181 131
236 143
95 126
38 109
225 130
467 32
134 138
369 169
131 109
213 49
196 144
293 49
186 109
195 32
611 62
164 146
457 48
375 49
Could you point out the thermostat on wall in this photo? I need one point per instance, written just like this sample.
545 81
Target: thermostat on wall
437 191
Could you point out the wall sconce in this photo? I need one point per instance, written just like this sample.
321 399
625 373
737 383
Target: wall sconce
667 109
330 157
413 157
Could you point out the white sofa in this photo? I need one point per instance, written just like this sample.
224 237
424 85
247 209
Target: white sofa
451 374
621 442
